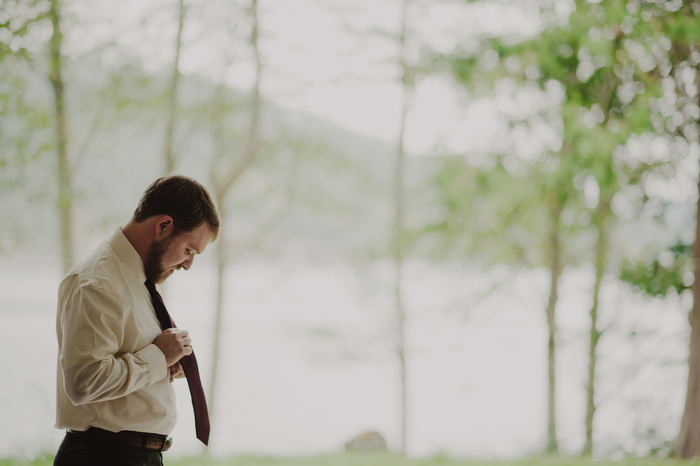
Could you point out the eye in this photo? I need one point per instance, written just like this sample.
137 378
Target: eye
188 252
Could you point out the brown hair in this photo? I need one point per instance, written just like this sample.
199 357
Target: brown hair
184 199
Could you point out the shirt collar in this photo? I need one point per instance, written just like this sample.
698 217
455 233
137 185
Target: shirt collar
128 255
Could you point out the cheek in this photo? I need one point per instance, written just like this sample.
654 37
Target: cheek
174 256
170 260
181 259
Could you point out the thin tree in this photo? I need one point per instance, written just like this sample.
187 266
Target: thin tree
226 171
172 93
65 172
555 270
595 333
408 73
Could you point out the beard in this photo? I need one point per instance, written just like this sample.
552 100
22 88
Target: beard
153 267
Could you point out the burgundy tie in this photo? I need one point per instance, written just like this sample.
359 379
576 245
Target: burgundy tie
189 366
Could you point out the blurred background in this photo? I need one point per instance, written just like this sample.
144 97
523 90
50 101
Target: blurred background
466 226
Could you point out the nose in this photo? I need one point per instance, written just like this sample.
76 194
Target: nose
188 263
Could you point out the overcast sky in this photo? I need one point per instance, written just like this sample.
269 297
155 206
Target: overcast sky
320 56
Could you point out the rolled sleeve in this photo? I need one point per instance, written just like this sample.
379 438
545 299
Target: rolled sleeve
155 358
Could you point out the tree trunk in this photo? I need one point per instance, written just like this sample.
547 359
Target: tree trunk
688 442
398 226
601 251
65 189
224 178
401 348
172 96
218 318
555 268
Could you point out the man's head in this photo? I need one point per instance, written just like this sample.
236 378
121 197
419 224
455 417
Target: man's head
180 219
183 199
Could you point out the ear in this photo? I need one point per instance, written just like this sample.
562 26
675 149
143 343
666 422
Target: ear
163 226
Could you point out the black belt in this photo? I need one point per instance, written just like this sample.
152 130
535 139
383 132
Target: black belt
134 439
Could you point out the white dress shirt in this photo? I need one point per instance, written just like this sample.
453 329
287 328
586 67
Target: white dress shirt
110 374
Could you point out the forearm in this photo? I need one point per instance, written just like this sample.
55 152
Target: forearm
88 380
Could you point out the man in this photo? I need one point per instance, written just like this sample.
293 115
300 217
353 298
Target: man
116 355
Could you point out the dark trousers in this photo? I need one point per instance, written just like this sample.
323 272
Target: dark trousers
78 450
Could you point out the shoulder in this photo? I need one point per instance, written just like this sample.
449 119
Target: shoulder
102 272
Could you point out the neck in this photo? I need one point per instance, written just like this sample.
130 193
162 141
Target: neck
139 235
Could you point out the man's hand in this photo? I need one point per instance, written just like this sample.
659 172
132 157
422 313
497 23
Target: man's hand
176 371
174 343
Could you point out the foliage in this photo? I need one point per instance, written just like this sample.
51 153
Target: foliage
606 98
22 121
23 117
20 25
673 43
485 208
658 279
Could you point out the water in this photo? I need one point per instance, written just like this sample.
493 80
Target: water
308 359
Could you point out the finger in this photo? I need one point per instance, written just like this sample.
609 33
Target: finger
186 342
188 350
184 333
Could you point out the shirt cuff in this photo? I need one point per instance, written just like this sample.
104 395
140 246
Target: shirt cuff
156 361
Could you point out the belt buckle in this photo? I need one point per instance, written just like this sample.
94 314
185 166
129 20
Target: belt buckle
167 444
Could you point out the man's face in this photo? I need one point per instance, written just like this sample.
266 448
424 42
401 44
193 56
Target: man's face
175 252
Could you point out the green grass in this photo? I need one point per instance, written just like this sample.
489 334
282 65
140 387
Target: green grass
40 460
374 459
438 460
